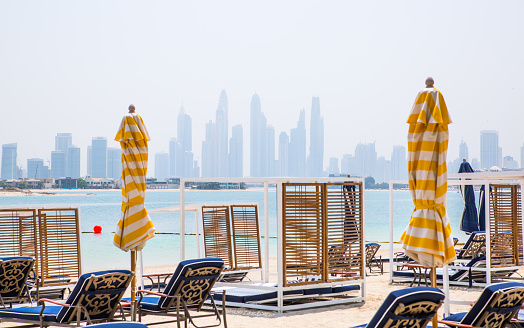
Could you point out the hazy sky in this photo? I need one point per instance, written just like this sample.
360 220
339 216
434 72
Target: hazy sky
75 66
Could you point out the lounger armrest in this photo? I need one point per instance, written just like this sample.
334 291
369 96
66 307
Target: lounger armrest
152 293
43 300
454 324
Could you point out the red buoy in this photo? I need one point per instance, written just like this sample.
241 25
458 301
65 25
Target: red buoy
97 229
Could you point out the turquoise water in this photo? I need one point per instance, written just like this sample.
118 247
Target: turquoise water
103 208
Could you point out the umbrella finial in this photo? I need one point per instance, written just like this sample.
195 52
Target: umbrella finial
430 82
131 108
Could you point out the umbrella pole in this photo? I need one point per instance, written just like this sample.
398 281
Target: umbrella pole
433 278
133 286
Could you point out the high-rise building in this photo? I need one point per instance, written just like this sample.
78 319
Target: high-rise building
297 148
236 152
463 151
58 164
256 137
174 154
63 141
35 168
89 160
490 154
333 166
98 157
316 141
209 168
510 163
366 160
222 136
114 163
347 164
10 169
161 166
270 158
73 162
283 155
399 163
184 130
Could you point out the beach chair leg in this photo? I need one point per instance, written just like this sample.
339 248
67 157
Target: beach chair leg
224 308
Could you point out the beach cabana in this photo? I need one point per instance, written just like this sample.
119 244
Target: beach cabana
314 217
504 225
50 235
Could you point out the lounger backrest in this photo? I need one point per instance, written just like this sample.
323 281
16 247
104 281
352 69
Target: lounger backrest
461 274
192 280
14 272
410 307
371 250
473 245
99 292
497 304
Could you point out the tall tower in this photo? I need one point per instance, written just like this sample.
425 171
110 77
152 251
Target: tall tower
181 148
316 143
58 164
255 134
297 147
114 163
209 158
463 151
98 157
283 155
161 166
490 153
35 168
9 168
184 130
236 152
73 162
399 168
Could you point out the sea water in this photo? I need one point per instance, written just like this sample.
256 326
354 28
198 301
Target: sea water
103 208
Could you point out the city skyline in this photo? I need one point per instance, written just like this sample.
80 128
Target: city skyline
76 67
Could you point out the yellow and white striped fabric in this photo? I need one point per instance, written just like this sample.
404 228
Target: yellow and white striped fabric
135 226
427 238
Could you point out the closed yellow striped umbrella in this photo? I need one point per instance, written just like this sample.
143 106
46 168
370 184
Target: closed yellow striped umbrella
427 238
135 226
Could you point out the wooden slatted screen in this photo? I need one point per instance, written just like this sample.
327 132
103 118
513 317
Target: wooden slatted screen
343 231
59 246
217 234
302 232
505 225
18 232
246 237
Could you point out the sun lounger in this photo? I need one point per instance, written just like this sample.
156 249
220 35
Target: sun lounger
408 308
371 259
495 307
14 272
94 298
189 287
473 246
466 276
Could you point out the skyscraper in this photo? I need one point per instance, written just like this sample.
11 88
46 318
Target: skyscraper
297 148
333 166
236 152
58 164
73 162
174 154
283 155
161 166
366 160
399 164
114 163
98 157
490 154
463 151
35 168
184 130
270 157
316 143
347 164
9 156
222 136
262 142
63 141
209 168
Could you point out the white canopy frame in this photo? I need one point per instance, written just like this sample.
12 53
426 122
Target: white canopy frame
473 178
280 307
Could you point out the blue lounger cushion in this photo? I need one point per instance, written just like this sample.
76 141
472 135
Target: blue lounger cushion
31 313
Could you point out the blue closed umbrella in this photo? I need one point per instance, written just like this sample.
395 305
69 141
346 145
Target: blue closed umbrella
469 221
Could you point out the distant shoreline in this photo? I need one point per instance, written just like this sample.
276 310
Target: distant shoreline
51 192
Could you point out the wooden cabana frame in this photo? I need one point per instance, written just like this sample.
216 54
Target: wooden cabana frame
49 234
217 234
507 206
245 232
280 288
